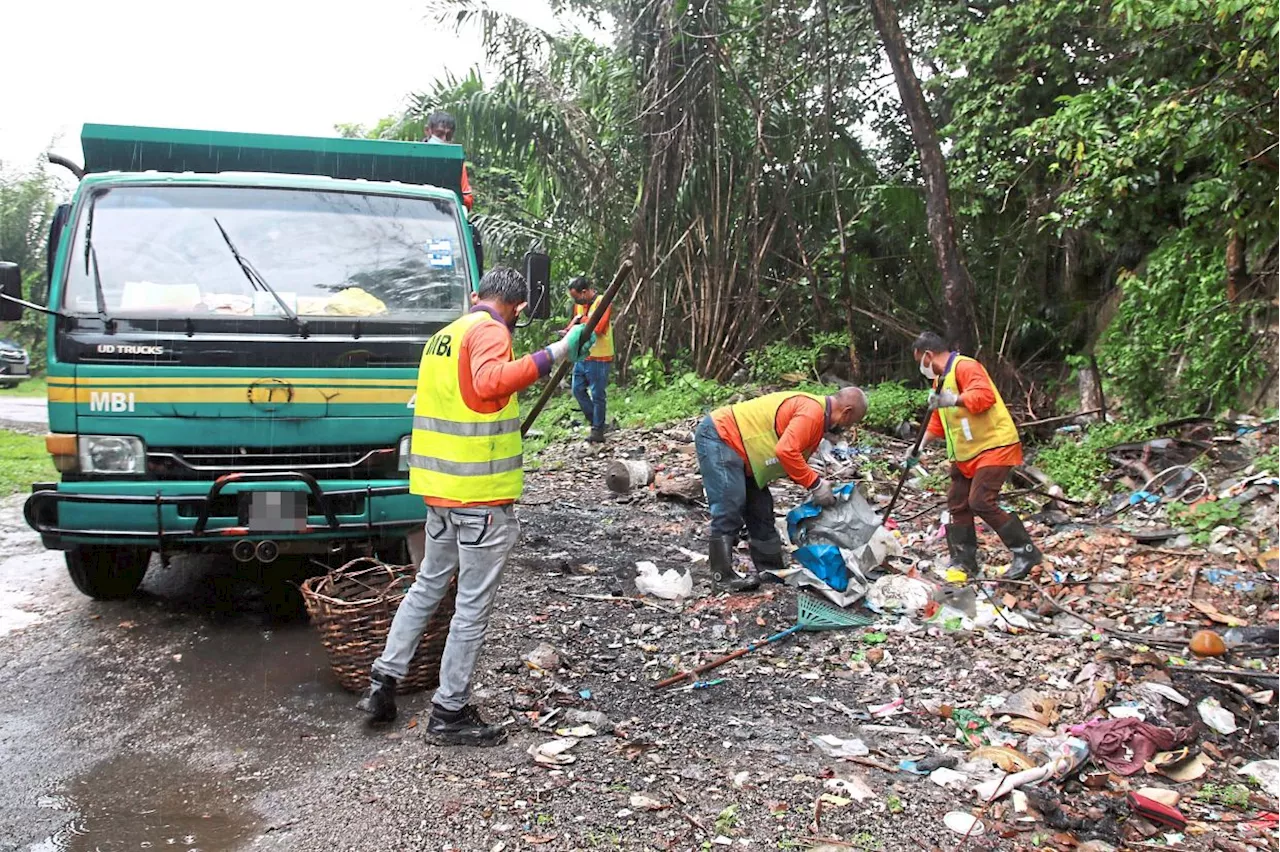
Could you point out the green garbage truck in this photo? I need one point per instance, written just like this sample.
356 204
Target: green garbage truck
234 327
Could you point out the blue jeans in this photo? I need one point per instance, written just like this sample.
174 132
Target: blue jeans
590 388
734 497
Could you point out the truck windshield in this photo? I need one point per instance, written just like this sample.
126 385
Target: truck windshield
334 254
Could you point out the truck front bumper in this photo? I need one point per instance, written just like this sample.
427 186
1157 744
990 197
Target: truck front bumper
163 514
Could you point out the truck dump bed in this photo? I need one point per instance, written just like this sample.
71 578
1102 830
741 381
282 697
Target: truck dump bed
121 148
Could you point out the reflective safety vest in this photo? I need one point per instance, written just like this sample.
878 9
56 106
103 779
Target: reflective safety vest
456 453
757 421
970 434
603 348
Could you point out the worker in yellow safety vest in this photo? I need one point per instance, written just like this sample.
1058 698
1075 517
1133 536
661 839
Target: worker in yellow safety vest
466 463
591 377
968 413
742 448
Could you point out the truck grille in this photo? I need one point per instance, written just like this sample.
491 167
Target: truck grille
320 462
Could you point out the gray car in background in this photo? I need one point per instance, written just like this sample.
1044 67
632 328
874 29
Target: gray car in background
14 365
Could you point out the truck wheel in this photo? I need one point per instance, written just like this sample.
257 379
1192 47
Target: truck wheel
107 573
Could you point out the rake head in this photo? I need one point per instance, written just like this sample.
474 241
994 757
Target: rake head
814 614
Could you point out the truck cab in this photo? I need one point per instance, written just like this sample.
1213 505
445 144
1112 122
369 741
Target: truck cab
235 324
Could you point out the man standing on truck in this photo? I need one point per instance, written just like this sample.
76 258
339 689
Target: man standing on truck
465 461
591 377
440 128
742 448
983 445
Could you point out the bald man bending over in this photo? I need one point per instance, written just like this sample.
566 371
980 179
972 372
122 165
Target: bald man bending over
742 448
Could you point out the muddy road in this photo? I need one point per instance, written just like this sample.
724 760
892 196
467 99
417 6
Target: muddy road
166 721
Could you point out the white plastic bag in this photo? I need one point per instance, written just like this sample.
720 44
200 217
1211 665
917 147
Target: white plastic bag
670 585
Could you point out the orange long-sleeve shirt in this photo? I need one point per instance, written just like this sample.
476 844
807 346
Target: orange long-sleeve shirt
468 197
487 376
977 394
801 423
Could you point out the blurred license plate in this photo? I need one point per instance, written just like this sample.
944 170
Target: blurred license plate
277 511
18 369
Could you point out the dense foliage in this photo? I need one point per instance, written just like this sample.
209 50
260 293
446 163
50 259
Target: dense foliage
1105 160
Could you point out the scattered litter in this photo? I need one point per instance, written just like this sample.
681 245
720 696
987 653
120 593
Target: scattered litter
852 787
1030 704
1159 794
1070 756
1007 758
670 585
553 753
543 657
964 823
1266 773
1218 717
1125 745
1180 766
1206 643
579 732
899 594
833 746
944 777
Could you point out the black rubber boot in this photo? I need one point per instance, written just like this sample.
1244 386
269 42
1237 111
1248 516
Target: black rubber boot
962 547
767 555
463 727
723 577
379 699
1025 554
596 436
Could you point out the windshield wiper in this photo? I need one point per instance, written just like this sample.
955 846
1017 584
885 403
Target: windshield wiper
257 281
91 267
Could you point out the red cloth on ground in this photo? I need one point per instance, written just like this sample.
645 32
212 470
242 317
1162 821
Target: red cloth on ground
1125 745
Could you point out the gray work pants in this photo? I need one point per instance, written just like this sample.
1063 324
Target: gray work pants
473 543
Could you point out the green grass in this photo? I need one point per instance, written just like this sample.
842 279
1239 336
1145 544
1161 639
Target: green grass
31 387
23 460
681 397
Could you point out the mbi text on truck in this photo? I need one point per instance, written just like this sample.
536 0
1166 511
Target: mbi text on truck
235 324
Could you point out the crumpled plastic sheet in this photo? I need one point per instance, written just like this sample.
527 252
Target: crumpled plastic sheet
838 546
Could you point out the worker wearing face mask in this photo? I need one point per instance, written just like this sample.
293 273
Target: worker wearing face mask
983 445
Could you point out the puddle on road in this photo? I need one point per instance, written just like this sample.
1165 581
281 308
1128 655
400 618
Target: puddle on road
12 615
135 802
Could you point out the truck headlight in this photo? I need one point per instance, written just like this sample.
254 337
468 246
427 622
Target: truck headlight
402 460
112 454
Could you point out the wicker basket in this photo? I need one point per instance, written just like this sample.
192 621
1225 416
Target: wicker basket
353 607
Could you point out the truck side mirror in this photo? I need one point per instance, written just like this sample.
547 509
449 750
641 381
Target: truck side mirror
60 216
477 241
537 272
10 288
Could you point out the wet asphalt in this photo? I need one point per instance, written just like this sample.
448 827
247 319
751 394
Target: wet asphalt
189 717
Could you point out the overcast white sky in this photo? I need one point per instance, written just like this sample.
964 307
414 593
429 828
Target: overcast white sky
271 66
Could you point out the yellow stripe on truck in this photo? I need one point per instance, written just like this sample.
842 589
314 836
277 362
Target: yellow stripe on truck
140 395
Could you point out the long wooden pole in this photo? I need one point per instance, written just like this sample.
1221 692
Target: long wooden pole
897 492
624 272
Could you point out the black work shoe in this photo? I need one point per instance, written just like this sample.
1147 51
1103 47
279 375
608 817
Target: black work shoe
962 547
764 557
723 577
379 699
1025 554
596 436
463 727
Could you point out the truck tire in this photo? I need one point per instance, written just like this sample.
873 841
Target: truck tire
107 573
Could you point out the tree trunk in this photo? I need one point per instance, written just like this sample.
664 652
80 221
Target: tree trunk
957 286
1236 272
